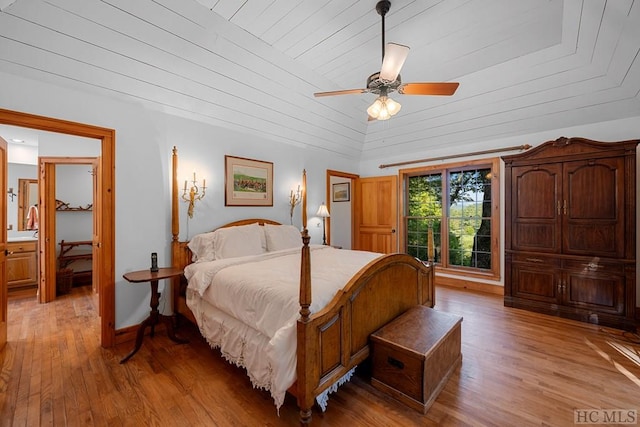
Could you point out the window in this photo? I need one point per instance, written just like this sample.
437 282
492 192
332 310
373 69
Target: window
457 205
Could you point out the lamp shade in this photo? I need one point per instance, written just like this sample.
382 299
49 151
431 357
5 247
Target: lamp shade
323 212
394 57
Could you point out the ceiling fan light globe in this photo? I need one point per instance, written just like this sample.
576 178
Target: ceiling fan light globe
375 108
384 115
392 106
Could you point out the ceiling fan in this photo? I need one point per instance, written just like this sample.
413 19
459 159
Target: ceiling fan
388 79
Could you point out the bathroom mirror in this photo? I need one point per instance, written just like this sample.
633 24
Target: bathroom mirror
27 197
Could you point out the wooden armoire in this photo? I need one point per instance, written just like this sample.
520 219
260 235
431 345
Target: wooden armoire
570 230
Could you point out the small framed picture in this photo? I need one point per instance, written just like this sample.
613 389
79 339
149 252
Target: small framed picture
341 192
248 182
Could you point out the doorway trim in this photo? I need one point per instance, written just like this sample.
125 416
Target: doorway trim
106 273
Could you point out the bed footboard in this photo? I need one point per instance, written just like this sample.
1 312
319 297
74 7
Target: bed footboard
336 339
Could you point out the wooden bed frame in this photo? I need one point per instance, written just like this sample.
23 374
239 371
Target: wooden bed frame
334 340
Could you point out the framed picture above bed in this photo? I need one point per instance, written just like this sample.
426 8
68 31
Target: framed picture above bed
248 182
341 192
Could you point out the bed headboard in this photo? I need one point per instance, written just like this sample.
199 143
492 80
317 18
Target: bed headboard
181 254
260 221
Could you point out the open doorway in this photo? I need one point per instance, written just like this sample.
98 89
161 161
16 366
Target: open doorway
104 245
339 201
68 232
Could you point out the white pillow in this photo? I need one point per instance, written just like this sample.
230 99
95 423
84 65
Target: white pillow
282 237
201 246
242 240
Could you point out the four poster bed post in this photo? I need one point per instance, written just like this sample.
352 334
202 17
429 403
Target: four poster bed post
305 399
334 340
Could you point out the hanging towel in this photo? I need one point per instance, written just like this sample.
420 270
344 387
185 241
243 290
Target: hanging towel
32 218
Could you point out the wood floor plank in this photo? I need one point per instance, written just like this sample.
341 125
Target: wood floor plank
518 368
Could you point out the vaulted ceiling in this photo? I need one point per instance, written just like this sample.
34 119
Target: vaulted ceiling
524 66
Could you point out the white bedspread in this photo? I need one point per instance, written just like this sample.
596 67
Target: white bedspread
258 296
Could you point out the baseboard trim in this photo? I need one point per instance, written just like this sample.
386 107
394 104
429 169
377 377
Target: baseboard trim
467 284
126 334
129 333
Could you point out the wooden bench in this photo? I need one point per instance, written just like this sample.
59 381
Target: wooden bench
415 354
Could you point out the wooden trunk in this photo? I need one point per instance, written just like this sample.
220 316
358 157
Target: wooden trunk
415 354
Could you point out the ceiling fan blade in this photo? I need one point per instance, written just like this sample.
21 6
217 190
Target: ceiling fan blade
340 92
394 57
446 89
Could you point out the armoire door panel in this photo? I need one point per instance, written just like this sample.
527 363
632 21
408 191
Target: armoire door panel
594 214
535 208
595 183
538 237
534 282
603 294
540 186
591 239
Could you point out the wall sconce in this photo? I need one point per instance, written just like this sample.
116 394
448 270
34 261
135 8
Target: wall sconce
323 213
294 200
11 193
193 194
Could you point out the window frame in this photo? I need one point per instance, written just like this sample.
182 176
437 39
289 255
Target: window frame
442 267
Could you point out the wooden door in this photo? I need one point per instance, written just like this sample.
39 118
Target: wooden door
47 262
535 207
376 214
3 245
593 207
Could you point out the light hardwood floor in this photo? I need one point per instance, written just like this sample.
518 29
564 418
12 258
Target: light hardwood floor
518 369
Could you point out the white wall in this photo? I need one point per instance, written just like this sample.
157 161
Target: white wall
144 139
25 155
74 185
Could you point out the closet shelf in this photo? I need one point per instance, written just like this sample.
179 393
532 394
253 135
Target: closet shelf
83 252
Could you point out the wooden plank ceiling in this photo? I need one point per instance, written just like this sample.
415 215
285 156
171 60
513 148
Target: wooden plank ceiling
524 66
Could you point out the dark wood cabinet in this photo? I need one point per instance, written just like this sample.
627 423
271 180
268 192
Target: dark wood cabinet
570 234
